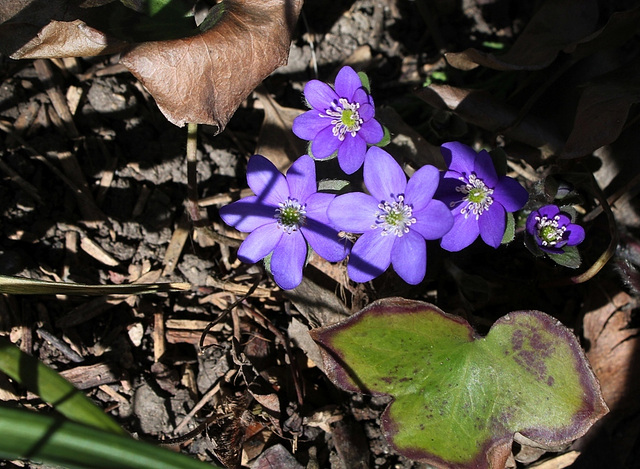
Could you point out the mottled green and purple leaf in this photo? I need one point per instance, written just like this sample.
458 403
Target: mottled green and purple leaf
459 398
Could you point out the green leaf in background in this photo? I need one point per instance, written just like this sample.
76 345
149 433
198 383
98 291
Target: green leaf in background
27 286
510 229
569 258
332 185
459 398
52 388
28 435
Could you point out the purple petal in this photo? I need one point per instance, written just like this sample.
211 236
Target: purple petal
319 95
366 111
463 232
409 257
459 157
266 181
325 143
548 211
306 126
319 232
371 131
383 176
485 169
288 260
563 219
492 224
532 222
347 82
422 186
351 153
510 194
364 99
576 234
434 221
301 178
370 256
259 243
247 214
354 212
447 191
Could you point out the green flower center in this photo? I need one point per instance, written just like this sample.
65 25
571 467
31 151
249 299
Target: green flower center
345 118
548 230
291 215
394 218
476 195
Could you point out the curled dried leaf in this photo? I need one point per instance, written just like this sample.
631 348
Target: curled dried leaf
204 78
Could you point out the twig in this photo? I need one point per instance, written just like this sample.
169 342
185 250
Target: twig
227 310
264 322
201 403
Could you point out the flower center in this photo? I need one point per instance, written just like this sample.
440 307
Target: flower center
345 118
290 214
549 231
476 195
394 218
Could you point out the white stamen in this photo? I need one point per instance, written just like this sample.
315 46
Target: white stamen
291 215
476 195
549 231
394 218
345 118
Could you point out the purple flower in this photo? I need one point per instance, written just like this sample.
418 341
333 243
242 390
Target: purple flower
340 120
478 198
552 229
285 214
395 220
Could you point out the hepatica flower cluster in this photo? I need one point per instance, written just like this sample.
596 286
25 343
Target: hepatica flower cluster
288 217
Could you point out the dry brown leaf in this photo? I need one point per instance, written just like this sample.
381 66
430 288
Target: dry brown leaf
276 140
31 29
203 79
67 39
200 79
485 111
558 25
602 111
612 351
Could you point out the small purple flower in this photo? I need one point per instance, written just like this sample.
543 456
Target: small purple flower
339 120
285 214
552 229
395 220
479 199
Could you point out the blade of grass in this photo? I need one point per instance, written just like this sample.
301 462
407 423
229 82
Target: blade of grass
53 388
26 286
28 435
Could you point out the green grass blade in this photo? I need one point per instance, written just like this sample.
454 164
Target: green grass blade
28 435
53 388
26 286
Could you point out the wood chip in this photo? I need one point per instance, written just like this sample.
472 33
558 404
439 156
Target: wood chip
177 336
90 376
94 250
56 96
237 288
159 346
192 324
178 240
559 462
